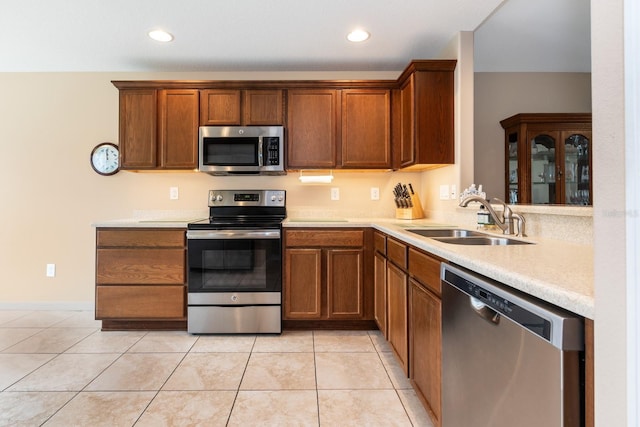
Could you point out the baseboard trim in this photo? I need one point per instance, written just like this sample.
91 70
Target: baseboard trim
49 305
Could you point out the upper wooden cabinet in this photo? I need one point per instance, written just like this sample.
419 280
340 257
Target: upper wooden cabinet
330 124
424 104
235 107
366 128
313 117
158 129
333 128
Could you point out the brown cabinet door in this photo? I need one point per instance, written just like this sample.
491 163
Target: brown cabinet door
345 298
140 302
262 107
178 129
136 237
312 125
407 127
433 117
397 327
366 128
220 107
116 266
380 292
426 346
138 112
303 284
426 269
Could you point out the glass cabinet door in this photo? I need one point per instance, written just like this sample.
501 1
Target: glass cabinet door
543 167
512 173
577 177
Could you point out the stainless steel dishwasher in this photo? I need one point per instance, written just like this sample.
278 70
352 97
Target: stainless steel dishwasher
508 359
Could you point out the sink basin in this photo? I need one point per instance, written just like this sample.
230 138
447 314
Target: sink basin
449 232
481 240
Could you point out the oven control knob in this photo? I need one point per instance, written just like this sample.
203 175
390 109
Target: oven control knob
219 198
280 198
234 298
273 198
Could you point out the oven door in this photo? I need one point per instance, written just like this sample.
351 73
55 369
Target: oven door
234 261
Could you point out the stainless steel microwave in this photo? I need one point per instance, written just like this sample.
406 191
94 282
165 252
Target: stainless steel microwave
237 150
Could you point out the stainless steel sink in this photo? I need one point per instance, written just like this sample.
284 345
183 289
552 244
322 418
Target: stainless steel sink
449 232
481 240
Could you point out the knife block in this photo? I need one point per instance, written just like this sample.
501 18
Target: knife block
411 213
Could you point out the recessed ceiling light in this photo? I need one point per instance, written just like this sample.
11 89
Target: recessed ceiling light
160 35
358 36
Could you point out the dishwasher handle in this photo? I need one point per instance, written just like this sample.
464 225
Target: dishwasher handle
484 311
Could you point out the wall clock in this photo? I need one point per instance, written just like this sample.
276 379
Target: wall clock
105 158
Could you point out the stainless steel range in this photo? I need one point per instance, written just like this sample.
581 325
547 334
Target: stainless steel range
235 263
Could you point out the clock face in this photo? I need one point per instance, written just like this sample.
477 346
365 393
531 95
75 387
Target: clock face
105 158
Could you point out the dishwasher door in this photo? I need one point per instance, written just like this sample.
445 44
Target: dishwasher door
507 359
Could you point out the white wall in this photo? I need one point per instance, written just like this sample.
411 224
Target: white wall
610 215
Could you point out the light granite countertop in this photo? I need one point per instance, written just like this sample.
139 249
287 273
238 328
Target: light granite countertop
552 270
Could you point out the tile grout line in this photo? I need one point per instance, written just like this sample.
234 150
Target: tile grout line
164 382
246 365
395 389
315 374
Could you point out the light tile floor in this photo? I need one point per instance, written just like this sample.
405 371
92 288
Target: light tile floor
58 369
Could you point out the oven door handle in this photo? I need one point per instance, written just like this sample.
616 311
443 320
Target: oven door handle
233 234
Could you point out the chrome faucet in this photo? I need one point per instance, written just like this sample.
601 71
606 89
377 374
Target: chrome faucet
504 221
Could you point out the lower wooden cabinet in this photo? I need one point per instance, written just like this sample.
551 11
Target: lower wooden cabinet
141 278
380 292
425 330
425 344
324 275
397 327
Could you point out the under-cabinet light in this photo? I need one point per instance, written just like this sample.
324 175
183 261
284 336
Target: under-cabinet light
316 179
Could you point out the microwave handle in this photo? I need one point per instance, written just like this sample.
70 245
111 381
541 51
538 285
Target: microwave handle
260 152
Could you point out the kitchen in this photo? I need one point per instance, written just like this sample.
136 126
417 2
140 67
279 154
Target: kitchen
88 101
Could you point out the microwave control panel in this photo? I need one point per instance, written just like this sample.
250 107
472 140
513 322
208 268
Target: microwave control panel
272 150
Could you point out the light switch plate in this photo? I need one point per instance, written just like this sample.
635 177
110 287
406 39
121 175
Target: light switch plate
335 193
375 193
444 192
173 193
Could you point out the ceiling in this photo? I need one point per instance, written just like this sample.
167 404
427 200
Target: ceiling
287 35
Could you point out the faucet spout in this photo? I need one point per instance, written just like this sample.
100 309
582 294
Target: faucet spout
503 221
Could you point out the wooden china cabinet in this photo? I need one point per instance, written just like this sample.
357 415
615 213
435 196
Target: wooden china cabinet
548 158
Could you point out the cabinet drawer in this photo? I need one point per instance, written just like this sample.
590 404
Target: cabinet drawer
397 253
324 238
137 302
380 243
426 269
140 266
140 238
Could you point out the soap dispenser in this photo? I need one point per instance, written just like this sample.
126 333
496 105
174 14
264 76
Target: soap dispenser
484 218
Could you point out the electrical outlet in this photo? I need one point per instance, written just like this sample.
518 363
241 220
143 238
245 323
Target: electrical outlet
335 193
375 193
444 192
51 270
173 193
454 193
